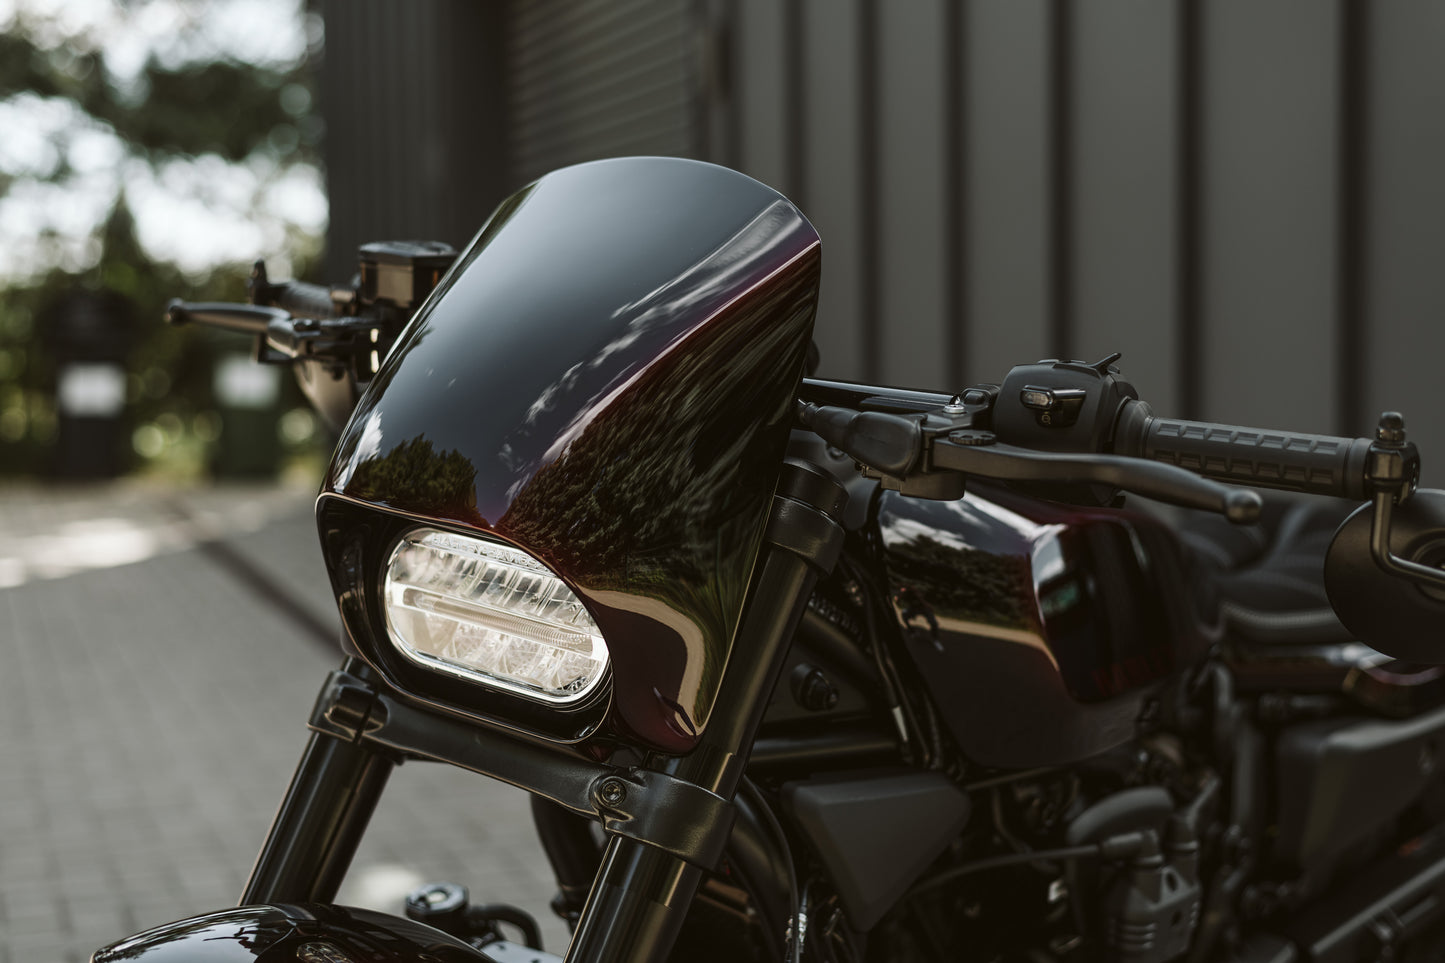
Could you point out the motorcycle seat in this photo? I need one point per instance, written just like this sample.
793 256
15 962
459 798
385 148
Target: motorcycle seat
1270 576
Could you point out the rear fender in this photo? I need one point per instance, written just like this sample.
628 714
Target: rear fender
307 933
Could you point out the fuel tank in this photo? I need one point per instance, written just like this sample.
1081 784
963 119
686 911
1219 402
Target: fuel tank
1040 628
605 379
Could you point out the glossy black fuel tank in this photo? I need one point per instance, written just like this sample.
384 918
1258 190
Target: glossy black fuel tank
605 378
1040 628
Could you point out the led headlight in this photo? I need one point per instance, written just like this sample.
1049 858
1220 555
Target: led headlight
490 614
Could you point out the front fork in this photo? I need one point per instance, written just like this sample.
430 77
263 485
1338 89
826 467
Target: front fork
322 817
667 821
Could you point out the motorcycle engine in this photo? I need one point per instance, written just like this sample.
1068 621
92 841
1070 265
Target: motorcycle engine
1018 888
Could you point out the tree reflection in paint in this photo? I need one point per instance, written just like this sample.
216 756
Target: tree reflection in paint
413 477
966 583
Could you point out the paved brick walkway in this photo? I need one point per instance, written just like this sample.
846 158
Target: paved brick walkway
151 713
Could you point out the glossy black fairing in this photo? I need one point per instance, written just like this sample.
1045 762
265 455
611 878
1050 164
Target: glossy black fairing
605 378
1040 628
309 933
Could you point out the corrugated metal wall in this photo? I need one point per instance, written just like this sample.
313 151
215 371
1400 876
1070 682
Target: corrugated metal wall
1244 198
600 78
415 107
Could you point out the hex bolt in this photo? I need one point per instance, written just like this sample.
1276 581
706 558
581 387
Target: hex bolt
612 791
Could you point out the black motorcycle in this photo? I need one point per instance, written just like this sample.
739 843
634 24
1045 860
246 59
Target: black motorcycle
799 669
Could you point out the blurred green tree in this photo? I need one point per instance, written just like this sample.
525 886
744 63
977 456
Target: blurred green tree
134 179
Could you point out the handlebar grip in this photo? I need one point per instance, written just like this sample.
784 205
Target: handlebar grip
302 300
1293 461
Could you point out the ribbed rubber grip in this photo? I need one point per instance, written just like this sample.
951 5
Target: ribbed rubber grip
303 300
1318 464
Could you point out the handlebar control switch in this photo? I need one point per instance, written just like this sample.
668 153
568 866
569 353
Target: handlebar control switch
1053 407
1061 406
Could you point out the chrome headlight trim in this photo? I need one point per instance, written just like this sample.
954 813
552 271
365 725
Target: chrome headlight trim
492 615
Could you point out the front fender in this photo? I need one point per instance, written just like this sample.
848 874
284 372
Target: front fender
306 933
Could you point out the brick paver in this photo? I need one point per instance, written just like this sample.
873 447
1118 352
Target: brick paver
151 713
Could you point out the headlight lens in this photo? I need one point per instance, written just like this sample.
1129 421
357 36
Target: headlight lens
491 614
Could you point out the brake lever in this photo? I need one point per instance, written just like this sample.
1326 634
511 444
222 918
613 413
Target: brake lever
975 453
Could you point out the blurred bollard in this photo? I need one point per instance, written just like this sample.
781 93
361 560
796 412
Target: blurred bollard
88 334
248 396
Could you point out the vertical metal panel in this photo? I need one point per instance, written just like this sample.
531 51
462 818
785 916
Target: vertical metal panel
415 152
759 77
1405 293
955 205
1125 132
912 186
1188 233
833 172
1269 212
714 22
1006 107
1061 178
601 78
1351 224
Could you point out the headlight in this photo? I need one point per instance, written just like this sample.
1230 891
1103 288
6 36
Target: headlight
490 614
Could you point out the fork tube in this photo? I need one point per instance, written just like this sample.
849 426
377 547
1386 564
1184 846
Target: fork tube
641 894
320 822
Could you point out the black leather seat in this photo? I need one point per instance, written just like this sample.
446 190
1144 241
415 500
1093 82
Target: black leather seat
1270 576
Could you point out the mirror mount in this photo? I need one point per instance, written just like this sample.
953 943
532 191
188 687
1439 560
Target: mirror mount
1383 571
1392 473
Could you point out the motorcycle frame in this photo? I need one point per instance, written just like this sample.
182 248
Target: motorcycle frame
666 821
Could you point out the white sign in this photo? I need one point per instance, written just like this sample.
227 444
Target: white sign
94 390
242 383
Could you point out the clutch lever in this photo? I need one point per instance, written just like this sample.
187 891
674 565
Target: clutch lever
246 318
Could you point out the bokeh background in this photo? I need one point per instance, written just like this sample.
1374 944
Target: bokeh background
1244 198
151 151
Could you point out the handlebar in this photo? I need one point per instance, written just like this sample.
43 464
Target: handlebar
1069 424
301 299
1295 461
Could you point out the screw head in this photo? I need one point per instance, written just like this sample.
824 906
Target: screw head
612 791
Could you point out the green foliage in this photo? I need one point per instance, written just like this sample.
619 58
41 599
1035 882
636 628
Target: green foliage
224 107
233 110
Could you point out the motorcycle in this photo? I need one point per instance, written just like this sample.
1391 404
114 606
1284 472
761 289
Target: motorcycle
798 669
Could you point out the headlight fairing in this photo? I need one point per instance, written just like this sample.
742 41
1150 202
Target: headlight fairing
604 379
490 614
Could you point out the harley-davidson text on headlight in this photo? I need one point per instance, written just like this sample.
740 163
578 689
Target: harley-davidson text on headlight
491 614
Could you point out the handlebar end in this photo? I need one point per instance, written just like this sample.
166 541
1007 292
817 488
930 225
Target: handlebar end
1242 506
176 312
